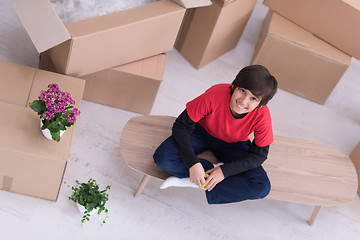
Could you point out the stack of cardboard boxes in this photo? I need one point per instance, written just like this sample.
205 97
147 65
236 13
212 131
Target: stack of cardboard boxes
121 55
30 163
95 48
307 45
122 58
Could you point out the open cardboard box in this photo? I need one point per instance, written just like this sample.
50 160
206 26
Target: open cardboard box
92 45
30 163
131 86
208 32
302 63
334 21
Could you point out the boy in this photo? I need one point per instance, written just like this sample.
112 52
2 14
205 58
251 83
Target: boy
221 119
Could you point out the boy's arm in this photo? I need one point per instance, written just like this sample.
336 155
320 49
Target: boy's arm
255 157
181 131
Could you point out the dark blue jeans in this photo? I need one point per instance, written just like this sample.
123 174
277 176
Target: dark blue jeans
251 184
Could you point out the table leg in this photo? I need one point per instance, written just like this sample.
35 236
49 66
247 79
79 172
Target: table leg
314 215
142 185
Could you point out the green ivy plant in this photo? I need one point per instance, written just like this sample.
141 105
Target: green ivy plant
89 196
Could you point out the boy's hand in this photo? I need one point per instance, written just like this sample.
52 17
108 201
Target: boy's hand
215 176
197 174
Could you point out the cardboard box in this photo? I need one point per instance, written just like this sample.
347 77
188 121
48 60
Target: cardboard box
132 86
99 43
301 62
355 157
30 163
209 32
335 21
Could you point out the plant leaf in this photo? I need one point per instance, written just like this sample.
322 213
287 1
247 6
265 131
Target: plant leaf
38 106
55 135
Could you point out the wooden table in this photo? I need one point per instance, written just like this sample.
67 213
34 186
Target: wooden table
300 171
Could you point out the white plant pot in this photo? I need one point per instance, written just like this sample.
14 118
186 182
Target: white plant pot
46 132
81 209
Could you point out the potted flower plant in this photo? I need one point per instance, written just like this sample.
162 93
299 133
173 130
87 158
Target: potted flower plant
90 198
56 110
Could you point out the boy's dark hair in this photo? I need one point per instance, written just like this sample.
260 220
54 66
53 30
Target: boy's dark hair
258 80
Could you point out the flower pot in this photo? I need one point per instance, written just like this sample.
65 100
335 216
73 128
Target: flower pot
81 209
46 132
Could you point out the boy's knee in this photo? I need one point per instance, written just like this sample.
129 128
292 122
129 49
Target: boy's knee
260 188
264 189
158 158
162 160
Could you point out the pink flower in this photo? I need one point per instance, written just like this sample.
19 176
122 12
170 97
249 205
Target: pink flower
71 118
47 115
58 103
76 111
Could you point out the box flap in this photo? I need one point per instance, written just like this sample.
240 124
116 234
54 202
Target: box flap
16 81
41 22
72 85
289 31
295 34
334 21
193 3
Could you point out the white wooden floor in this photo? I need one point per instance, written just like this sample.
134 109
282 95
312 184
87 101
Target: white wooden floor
182 213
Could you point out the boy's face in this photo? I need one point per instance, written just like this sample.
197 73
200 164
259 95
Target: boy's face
243 101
